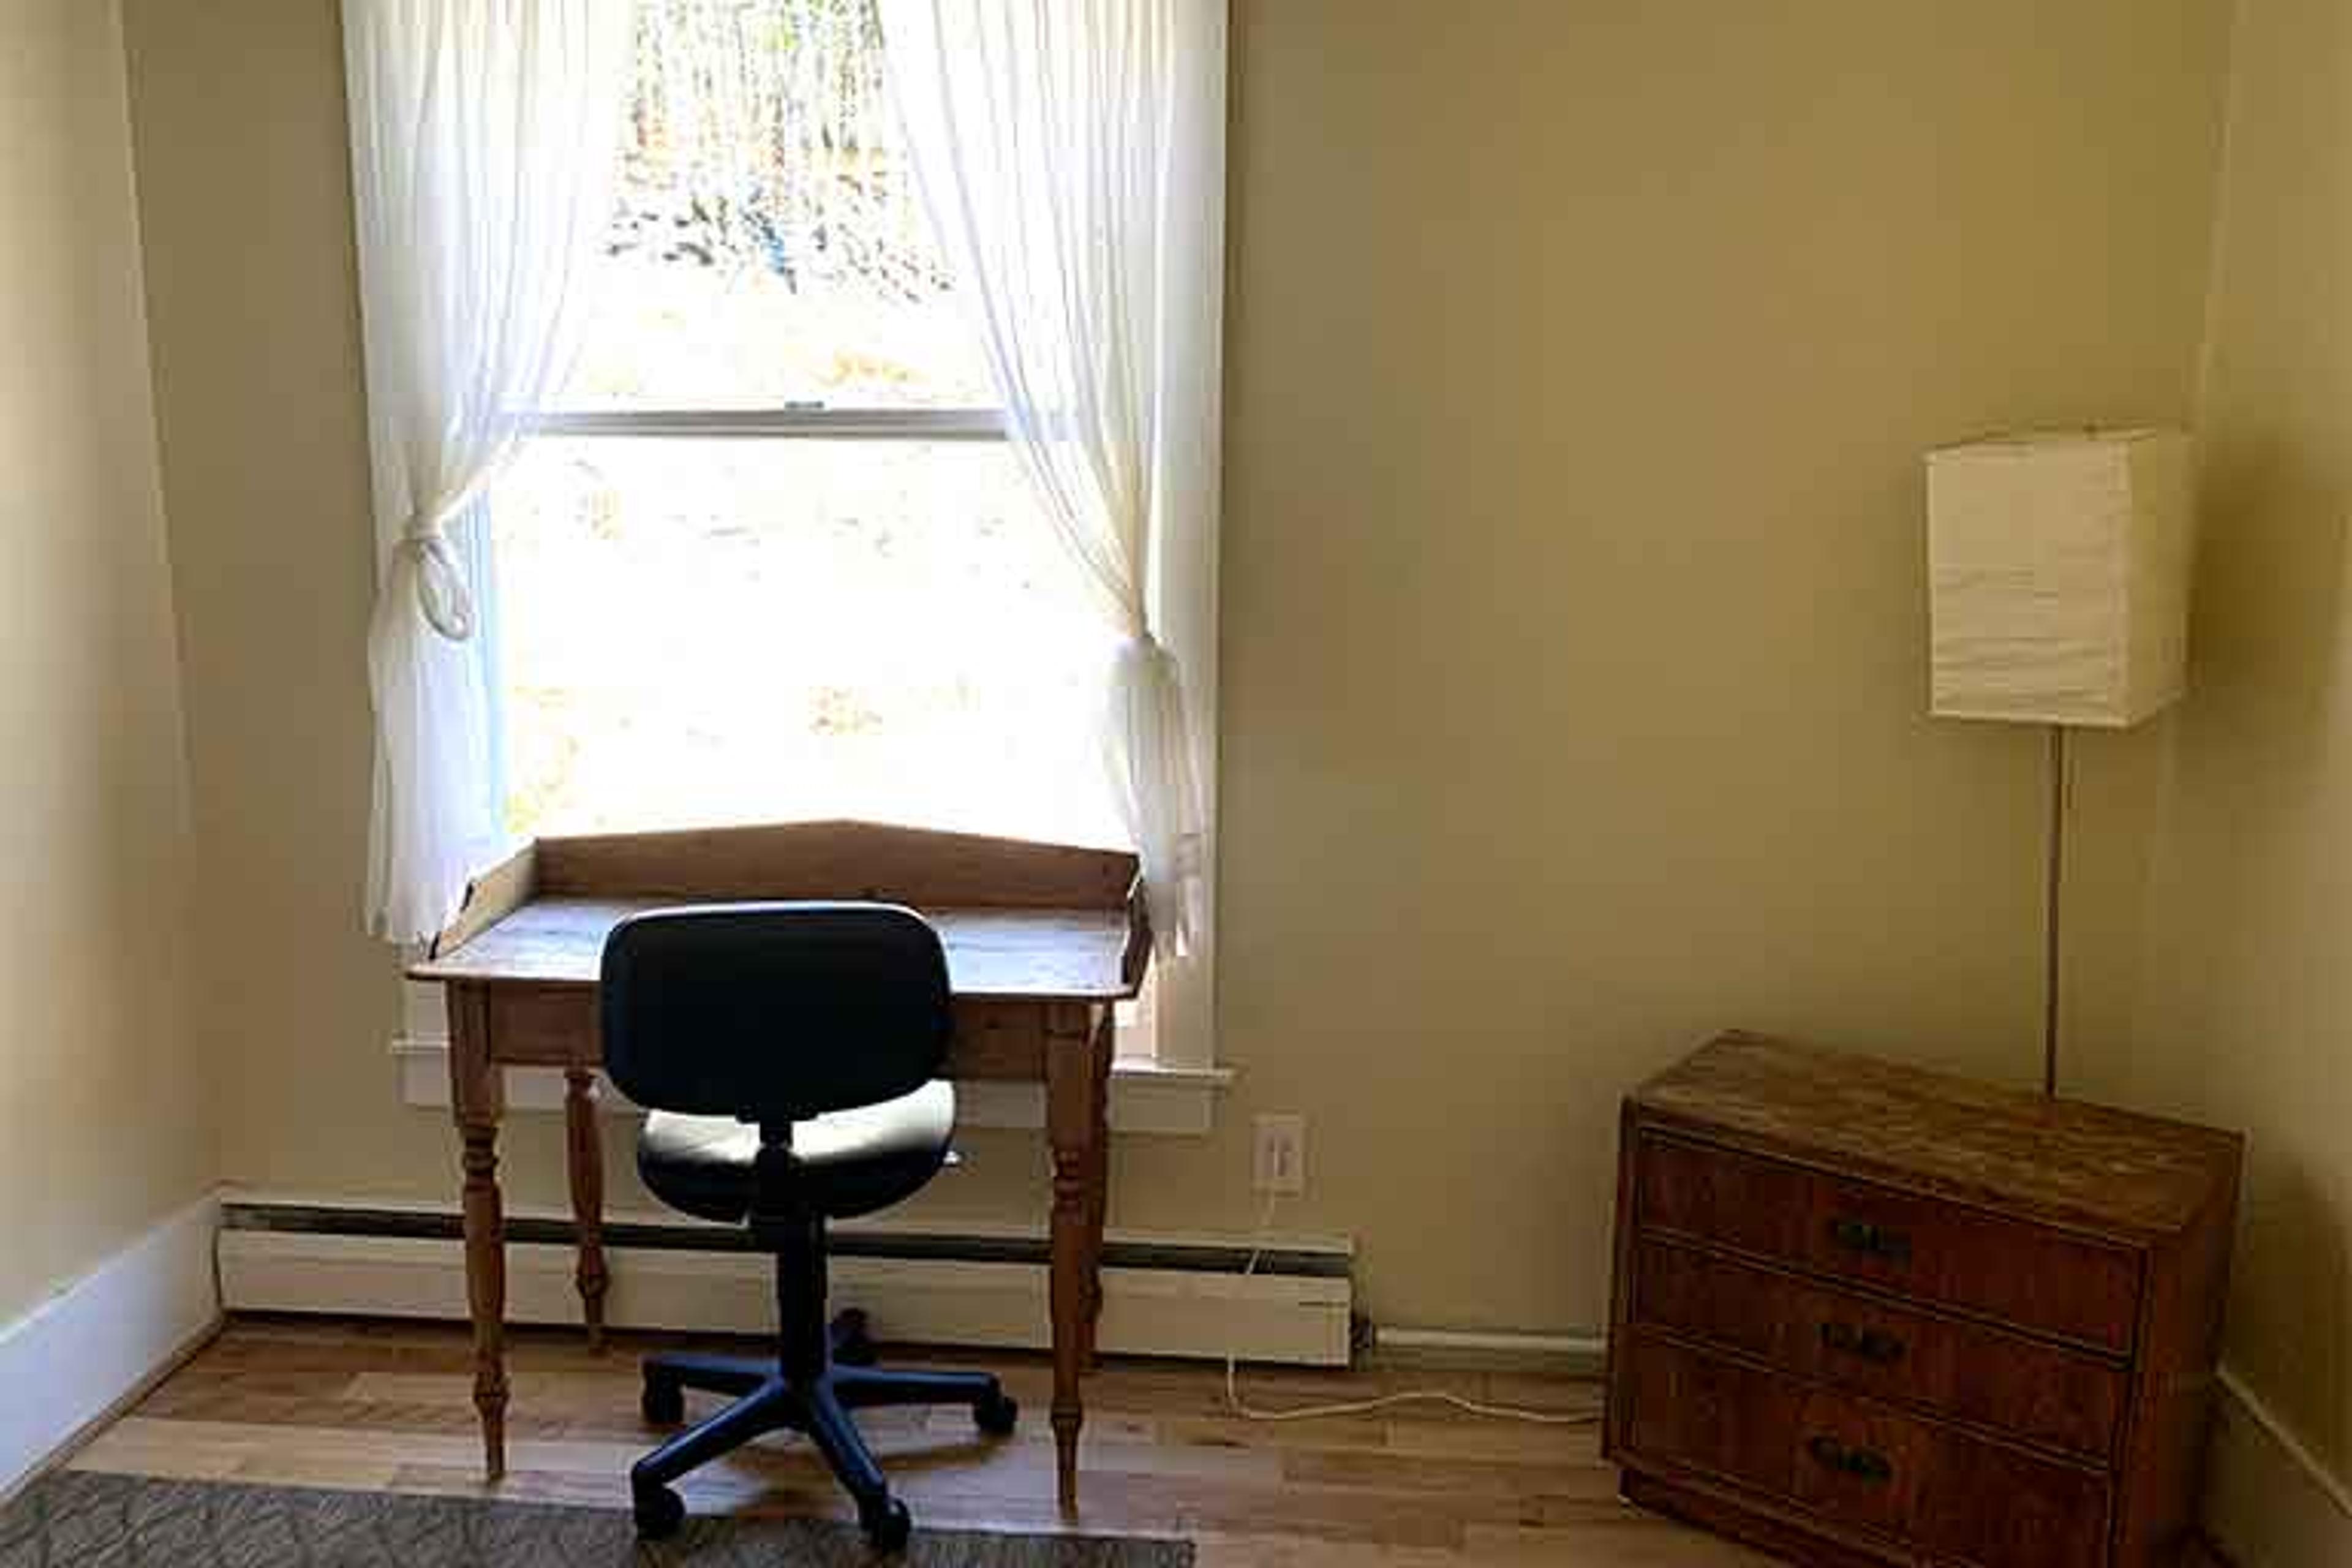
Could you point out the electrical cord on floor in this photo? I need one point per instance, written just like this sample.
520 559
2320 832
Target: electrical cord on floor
1248 1412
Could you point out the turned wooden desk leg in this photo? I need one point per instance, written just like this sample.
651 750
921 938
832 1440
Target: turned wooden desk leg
584 1157
477 1094
1097 1183
1074 1067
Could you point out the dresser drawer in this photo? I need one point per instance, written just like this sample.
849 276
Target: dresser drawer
2032 1275
2039 1391
1857 1465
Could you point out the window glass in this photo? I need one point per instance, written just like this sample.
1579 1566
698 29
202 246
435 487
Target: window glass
768 246
702 631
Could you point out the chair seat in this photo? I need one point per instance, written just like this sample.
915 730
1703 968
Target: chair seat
849 1162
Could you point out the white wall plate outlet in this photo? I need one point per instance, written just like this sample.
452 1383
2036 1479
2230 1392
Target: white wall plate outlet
1278 1156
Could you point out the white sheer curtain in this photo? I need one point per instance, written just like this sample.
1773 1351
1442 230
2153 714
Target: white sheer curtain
483 135
1072 152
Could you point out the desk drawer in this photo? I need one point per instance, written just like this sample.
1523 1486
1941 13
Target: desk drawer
2067 1398
2025 1274
1858 1464
543 1026
998 1040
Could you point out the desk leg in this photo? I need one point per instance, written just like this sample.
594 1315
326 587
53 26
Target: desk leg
584 1153
1097 1180
476 1094
1077 1064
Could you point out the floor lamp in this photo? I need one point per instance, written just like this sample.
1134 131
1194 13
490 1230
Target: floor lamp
2058 588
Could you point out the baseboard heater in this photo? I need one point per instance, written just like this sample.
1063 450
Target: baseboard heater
1188 1298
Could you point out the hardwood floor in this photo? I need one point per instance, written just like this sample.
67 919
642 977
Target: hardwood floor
387 1405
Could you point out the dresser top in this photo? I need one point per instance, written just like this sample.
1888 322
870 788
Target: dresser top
2065 1159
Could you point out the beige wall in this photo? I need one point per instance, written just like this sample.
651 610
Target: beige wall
2244 987
1579 363
237 118
103 1126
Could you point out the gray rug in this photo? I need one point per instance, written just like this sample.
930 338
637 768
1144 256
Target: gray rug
76 1519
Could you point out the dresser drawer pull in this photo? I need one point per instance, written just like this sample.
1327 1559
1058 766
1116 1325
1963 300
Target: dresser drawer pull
1863 1464
1861 1236
1870 1344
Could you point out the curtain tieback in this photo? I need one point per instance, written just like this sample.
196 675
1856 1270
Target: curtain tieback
1141 651
443 594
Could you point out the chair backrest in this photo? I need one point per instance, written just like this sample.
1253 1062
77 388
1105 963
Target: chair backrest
773 1011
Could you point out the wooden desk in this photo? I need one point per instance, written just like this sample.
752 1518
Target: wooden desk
1041 941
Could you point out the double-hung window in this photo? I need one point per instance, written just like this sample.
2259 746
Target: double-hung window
769 555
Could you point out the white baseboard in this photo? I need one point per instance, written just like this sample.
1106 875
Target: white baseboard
1144 1097
99 1342
1580 1354
1290 1318
2269 1502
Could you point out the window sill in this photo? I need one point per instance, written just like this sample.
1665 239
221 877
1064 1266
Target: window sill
1145 1097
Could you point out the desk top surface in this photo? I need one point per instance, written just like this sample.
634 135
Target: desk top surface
1072 954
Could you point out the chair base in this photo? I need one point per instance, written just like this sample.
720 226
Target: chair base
769 1397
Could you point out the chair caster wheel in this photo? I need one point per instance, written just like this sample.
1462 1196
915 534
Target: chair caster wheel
663 1402
660 1513
887 1524
851 1344
997 1415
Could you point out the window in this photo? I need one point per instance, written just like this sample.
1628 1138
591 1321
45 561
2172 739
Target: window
771 557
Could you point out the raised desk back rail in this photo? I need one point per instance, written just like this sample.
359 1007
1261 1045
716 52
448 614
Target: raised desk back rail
915 867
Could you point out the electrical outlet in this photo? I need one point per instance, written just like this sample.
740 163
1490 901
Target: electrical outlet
1278 1163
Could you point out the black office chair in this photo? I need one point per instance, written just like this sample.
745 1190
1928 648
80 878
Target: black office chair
787 1056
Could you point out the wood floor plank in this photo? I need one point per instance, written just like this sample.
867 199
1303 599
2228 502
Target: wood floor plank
374 1406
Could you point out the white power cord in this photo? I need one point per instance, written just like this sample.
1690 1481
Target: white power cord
1248 1412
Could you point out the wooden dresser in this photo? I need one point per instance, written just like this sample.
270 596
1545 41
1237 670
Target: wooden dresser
1867 1314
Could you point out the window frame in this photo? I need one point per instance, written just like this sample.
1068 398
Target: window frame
787 422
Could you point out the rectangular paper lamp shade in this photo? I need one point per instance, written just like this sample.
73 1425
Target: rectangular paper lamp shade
2058 572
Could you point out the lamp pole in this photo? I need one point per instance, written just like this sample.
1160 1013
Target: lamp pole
2053 937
